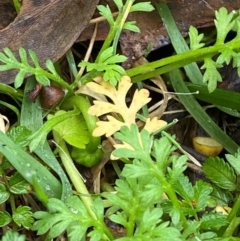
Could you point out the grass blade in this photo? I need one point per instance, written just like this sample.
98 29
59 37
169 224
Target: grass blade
31 117
220 97
197 112
29 167
178 42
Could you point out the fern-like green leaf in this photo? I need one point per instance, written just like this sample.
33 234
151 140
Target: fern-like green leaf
23 56
162 149
142 7
119 4
34 58
226 56
140 143
19 78
211 74
23 216
224 23
184 188
131 26
195 39
106 12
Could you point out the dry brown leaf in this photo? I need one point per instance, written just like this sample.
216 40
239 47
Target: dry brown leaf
4 123
48 27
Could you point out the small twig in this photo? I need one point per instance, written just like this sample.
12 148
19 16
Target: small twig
100 19
88 53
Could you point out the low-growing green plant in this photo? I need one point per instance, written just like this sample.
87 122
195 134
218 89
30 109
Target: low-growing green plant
10 188
10 235
153 198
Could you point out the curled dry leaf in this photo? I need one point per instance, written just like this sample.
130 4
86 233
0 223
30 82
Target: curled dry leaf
118 105
4 123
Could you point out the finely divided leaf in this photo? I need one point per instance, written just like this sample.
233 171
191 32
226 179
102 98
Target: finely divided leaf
122 196
142 7
131 26
107 53
23 216
76 232
136 169
115 59
220 173
51 68
42 79
226 55
11 58
224 23
98 208
106 12
19 78
34 58
107 63
150 219
13 236
138 144
211 74
119 4
23 56
184 188
60 217
195 39
96 235
178 167
162 149
119 218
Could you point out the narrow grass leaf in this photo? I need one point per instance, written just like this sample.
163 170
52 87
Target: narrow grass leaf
178 42
197 112
31 117
219 97
29 167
